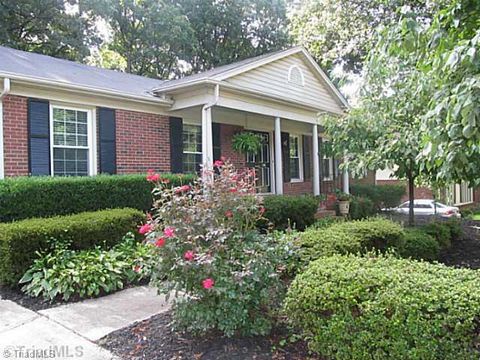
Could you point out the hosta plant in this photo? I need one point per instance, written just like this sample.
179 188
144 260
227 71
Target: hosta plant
223 272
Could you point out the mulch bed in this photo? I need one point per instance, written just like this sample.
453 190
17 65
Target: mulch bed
465 252
154 339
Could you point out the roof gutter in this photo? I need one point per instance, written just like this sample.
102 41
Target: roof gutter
5 91
87 89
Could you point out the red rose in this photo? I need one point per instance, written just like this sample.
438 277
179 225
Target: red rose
229 213
218 163
189 255
145 229
160 242
182 189
208 283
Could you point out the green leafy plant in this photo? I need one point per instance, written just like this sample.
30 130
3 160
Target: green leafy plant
64 273
382 196
246 142
440 232
21 240
382 307
361 208
342 196
210 251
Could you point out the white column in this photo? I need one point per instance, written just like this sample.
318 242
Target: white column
346 180
278 157
207 138
316 161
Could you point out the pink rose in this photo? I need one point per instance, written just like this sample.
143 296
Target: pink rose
169 231
229 213
262 210
208 283
233 190
189 255
218 163
160 242
145 229
182 189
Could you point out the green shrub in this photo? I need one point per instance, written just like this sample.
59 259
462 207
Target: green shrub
350 307
87 273
347 237
383 196
440 232
29 197
21 240
361 208
420 245
285 211
455 226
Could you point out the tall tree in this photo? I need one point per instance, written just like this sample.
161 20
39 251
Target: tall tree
46 27
153 36
385 130
231 30
342 32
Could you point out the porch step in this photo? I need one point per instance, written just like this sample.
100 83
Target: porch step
323 213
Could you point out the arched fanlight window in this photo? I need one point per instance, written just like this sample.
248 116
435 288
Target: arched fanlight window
295 76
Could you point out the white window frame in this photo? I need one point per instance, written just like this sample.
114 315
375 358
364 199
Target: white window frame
91 136
190 152
330 169
300 158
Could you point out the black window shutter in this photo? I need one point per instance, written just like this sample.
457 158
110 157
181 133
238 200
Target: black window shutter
176 145
286 156
39 137
307 157
217 152
320 157
107 144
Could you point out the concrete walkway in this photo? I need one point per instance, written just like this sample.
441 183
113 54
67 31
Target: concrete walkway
68 331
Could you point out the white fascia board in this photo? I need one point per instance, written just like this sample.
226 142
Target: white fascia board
85 89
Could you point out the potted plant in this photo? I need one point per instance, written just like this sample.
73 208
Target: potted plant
246 142
343 202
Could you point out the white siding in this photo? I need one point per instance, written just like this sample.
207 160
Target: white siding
272 79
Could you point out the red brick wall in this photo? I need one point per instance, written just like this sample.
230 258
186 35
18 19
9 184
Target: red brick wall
298 188
15 135
143 142
226 135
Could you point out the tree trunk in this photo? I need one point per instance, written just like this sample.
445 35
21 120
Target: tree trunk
411 197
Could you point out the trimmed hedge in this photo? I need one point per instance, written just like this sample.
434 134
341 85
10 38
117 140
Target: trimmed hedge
441 232
420 245
21 240
383 196
351 307
29 197
361 208
285 211
348 237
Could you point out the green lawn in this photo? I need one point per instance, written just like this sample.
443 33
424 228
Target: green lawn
476 216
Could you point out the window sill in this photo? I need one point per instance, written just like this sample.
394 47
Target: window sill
296 180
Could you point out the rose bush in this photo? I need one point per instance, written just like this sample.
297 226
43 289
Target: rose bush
223 272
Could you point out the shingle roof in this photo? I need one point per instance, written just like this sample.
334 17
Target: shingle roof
30 64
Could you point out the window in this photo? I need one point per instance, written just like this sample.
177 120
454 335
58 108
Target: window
295 158
71 141
327 168
462 194
295 76
192 148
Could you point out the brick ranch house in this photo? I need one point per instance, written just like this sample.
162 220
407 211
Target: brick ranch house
59 117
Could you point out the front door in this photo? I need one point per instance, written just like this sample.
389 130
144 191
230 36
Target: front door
261 162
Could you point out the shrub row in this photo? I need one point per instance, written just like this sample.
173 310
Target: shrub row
285 211
20 241
383 196
28 197
350 237
361 236
351 307
361 208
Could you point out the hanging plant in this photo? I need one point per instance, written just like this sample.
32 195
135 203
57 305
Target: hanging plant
246 142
